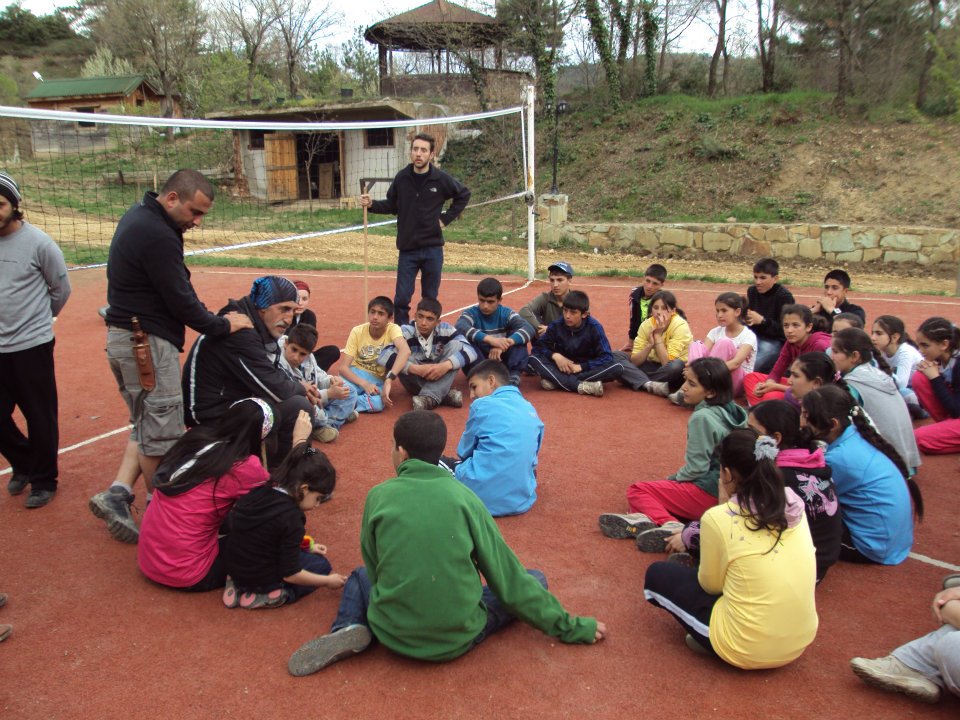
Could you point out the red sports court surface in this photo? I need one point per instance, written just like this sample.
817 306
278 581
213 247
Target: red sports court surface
93 639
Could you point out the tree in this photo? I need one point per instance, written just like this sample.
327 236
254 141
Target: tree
720 48
767 28
675 17
360 62
601 38
931 53
103 63
162 36
300 23
24 28
244 24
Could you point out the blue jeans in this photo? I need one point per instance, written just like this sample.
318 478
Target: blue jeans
429 262
364 402
515 358
311 563
355 600
767 353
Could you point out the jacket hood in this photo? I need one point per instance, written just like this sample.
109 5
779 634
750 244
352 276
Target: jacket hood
801 458
729 412
246 307
873 378
258 507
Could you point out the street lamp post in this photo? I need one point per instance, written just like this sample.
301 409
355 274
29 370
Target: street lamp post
558 109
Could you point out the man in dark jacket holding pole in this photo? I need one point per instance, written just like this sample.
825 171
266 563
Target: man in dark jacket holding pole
221 370
417 196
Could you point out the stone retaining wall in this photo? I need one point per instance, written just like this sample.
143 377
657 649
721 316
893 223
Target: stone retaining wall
832 243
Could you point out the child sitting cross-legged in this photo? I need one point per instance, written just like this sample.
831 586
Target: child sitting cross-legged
751 602
437 352
498 450
496 331
361 365
660 350
655 506
766 299
338 400
267 563
426 540
574 353
890 337
937 384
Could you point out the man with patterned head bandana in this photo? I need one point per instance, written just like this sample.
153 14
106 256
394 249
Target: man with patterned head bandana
222 370
33 289
148 280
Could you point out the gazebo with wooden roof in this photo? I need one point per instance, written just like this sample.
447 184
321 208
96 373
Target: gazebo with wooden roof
447 33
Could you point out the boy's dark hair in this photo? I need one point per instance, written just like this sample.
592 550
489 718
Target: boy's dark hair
758 483
382 302
841 276
854 340
714 376
186 184
767 266
304 465
431 305
304 335
657 272
490 287
422 434
855 320
491 367
577 300
426 137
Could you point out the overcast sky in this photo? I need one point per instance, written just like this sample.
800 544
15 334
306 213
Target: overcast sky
367 12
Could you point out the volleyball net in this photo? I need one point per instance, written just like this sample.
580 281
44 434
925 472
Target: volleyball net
287 180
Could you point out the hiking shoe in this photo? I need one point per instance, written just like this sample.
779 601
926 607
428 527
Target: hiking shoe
424 402
352 417
682 558
39 498
113 507
454 399
5 631
18 483
695 646
888 673
325 434
591 387
677 398
658 388
623 526
951 581
547 385
328 649
655 540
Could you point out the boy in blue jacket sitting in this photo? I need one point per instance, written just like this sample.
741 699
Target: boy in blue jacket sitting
499 446
496 331
574 353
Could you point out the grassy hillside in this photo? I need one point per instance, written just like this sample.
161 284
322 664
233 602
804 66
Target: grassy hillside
759 158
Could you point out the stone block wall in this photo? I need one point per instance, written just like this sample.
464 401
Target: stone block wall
827 242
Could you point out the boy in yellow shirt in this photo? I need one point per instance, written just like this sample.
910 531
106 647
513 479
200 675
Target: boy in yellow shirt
360 363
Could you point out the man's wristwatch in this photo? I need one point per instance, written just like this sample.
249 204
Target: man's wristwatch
391 375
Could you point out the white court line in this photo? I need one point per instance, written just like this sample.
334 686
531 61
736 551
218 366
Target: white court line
935 562
82 443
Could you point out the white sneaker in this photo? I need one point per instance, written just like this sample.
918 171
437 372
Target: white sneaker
677 398
655 540
547 385
423 402
454 398
328 649
325 434
888 673
591 387
657 387
628 525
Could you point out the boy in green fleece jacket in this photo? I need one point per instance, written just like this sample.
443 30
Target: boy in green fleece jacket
425 539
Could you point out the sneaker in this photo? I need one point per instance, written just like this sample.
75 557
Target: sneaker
951 581
3 599
352 417
628 525
325 434
547 385
39 498
256 601
888 673
424 402
655 540
230 599
18 483
113 507
454 399
682 558
677 398
658 388
328 649
591 387
102 311
5 631
695 646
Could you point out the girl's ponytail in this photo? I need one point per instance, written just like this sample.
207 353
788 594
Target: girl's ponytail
751 458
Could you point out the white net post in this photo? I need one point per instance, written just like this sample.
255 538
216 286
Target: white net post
529 102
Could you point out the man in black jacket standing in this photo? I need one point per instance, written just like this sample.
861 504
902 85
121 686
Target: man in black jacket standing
417 196
223 369
148 280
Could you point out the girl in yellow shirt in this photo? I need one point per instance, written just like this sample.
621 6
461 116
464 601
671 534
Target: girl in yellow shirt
660 350
752 602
